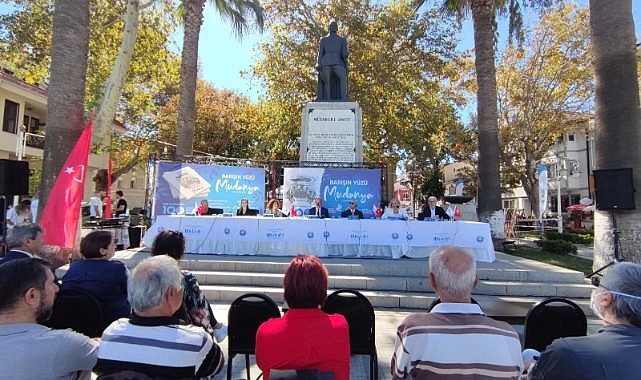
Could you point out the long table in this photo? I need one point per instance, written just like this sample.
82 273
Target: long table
323 237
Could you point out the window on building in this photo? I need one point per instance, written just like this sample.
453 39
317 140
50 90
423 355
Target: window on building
32 123
570 137
132 185
119 184
10 119
575 199
406 196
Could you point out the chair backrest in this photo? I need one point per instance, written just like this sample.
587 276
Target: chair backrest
300 374
246 314
553 318
78 310
359 313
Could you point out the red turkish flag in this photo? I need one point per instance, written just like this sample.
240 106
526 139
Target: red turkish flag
61 213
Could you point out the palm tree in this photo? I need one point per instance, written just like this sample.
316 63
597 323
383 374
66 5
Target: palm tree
67 83
232 10
618 121
484 22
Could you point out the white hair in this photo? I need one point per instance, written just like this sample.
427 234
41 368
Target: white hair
451 284
150 280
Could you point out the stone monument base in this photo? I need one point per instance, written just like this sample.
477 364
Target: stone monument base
332 132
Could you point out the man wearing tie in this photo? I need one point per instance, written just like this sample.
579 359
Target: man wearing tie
432 210
352 211
319 210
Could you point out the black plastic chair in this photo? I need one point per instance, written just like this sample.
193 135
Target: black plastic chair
359 313
553 318
246 314
78 310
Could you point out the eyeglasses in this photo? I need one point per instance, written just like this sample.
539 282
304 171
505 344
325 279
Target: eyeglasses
352 203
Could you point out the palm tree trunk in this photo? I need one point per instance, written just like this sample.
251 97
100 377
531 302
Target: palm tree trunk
618 121
66 100
193 20
489 189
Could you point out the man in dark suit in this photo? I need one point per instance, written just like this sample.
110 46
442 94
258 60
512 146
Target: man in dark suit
352 211
432 210
318 209
24 240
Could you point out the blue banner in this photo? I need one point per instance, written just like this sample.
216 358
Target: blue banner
336 187
181 186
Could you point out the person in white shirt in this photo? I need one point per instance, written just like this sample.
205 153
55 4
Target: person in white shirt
95 204
394 211
19 214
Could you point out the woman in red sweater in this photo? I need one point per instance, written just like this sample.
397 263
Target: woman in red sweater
305 337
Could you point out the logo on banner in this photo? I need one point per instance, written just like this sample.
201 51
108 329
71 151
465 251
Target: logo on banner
192 230
326 234
442 239
275 235
410 237
310 235
242 232
227 230
479 239
161 228
394 236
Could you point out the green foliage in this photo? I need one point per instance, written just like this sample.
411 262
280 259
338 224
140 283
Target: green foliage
401 70
569 236
433 186
25 43
576 263
559 247
543 92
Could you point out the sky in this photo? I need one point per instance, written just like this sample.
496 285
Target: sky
224 73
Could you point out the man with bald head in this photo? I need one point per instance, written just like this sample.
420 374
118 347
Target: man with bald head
455 339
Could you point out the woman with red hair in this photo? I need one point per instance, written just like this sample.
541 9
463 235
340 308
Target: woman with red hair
306 337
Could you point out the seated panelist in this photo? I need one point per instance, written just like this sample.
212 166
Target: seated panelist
273 207
244 209
352 211
318 209
394 211
204 209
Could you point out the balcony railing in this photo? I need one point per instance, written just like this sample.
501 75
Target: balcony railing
34 141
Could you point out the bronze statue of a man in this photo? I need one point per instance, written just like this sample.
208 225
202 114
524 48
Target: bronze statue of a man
332 66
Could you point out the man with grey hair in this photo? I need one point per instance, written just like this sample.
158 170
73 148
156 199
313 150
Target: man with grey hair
455 338
26 240
152 341
614 351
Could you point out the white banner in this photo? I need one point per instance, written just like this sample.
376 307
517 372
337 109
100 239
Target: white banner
543 190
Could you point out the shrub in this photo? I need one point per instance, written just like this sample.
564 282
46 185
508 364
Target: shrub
560 247
569 236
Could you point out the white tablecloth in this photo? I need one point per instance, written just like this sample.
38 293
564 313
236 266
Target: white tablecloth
323 237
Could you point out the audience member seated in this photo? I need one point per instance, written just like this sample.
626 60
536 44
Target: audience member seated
614 351
305 337
152 341
29 349
394 211
455 337
98 274
195 309
244 209
24 240
273 207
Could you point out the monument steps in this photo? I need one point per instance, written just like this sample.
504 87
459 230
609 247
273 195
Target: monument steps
397 284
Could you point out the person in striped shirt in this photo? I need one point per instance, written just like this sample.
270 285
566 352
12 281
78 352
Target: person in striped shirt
153 342
455 340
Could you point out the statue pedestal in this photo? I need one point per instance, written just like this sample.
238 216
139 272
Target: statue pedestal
332 132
